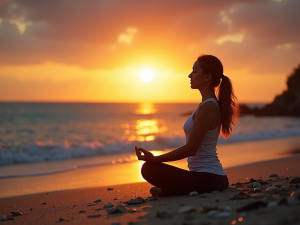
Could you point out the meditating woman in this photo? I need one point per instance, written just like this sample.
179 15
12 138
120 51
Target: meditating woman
215 114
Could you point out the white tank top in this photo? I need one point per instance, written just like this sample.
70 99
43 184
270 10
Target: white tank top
206 158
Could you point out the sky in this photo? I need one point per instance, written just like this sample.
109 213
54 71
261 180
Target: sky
94 50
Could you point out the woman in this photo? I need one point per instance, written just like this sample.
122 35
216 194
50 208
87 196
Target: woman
202 130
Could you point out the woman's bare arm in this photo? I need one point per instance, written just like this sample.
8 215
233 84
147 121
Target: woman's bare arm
203 119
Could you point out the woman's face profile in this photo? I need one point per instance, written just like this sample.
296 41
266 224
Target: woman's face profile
197 76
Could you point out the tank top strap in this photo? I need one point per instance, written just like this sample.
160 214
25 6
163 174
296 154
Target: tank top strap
211 100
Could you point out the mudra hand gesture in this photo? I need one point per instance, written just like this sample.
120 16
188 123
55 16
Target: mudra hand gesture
147 156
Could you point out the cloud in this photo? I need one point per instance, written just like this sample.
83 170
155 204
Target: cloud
97 34
128 36
236 38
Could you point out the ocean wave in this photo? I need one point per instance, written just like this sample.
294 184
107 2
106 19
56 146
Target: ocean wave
50 151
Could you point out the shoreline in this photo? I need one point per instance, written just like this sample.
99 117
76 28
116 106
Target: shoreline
78 206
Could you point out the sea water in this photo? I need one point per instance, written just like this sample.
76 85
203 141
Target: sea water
45 138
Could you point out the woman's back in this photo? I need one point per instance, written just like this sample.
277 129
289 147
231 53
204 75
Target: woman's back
205 159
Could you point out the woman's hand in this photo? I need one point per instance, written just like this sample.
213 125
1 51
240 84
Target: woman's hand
147 156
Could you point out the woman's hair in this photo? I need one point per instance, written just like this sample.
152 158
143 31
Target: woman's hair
229 109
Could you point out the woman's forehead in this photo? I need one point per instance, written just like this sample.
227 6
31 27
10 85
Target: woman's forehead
197 64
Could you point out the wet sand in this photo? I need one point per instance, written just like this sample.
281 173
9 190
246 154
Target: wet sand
78 207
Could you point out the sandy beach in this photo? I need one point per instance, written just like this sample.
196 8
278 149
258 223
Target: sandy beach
83 206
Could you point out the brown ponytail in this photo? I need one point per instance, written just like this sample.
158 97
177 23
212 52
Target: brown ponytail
229 109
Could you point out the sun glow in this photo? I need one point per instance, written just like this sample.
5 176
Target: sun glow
146 75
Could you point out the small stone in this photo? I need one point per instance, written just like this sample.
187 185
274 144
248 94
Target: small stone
115 223
186 209
295 180
121 208
108 205
91 204
94 216
212 212
226 208
31 209
116 199
257 189
257 196
3 218
16 213
263 182
240 196
44 203
150 199
273 189
296 194
276 185
193 193
61 219
293 201
135 201
252 206
221 215
82 211
132 210
110 189
209 207
163 215
273 175
256 184
97 200
252 180
272 204
286 188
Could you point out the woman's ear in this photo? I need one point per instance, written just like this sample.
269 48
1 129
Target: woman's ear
207 77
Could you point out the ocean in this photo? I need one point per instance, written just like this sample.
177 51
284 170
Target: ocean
66 136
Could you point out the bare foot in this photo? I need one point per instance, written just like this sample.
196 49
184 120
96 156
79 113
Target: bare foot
157 192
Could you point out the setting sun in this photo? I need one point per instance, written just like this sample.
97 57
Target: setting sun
146 75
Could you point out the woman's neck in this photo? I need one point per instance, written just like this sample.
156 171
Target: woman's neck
207 93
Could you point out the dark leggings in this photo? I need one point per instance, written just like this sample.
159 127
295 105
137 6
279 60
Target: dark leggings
176 181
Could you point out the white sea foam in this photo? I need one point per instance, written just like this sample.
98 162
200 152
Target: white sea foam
49 151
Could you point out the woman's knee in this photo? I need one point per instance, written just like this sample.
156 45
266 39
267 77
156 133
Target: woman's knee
147 169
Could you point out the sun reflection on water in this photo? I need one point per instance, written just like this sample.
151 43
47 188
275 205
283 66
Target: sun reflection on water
144 129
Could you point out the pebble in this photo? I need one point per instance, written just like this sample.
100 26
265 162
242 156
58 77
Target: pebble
94 216
135 201
108 205
272 204
276 185
98 200
16 213
226 208
3 218
115 223
295 180
256 184
212 212
221 215
286 188
82 211
258 196
240 195
257 189
150 199
118 209
209 207
132 210
272 189
193 193
186 209
273 175
110 189
296 194
293 201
